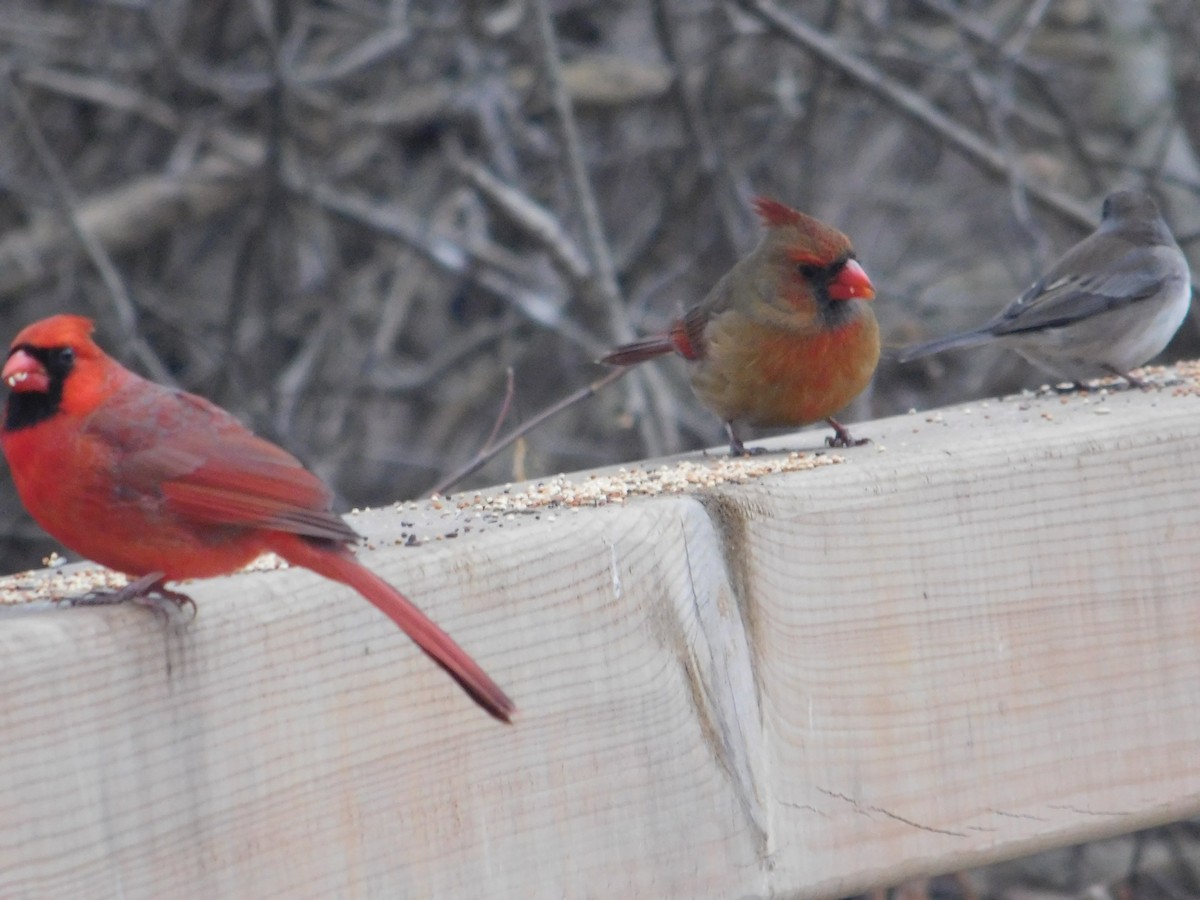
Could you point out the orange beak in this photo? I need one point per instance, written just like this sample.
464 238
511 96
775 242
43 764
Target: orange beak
24 374
852 282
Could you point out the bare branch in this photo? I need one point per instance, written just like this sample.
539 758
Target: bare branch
605 274
394 379
533 218
505 405
122 303
102 92
604 280
121 219
911 105
490 449
734 219
1009 50
392 219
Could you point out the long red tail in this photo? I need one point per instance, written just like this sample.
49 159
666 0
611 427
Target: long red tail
340 565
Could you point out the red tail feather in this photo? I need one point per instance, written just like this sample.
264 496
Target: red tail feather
340 565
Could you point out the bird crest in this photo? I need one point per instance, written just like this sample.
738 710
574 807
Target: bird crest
775 214
57 331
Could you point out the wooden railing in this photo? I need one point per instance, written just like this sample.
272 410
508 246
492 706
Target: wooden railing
975 638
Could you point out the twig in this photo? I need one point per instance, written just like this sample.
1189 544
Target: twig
738 232
490 449
911 105
122 218
594 81
505 407
294 378
604 280
374 49
398 222
605 274
1016 42
823 80
533 218
989 104
103 92
65 195
466 344
1009 50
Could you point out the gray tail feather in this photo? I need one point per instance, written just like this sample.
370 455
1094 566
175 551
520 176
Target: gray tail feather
965 339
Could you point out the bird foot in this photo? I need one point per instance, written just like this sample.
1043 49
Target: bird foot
737 448
846 441
147 591
741 449
842 436
1134 382
1071 387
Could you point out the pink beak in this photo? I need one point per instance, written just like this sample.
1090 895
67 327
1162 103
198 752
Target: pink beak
25 374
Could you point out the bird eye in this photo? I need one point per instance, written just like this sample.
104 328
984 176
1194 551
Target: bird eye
66 356
807 270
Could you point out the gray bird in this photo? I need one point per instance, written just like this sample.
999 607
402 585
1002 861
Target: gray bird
1109 305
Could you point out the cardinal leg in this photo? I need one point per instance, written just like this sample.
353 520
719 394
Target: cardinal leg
736 447
842 436
148 590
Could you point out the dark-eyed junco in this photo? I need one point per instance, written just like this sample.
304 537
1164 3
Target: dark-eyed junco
1112 303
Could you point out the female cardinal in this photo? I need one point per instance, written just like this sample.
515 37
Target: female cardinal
164 485
1113 302
785 338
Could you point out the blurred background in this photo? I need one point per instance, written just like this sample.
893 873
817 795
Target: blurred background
371 229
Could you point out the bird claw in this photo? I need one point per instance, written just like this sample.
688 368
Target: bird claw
168 603
742 450
846 441
1137 382
842 437
1086 387
736 447
147 591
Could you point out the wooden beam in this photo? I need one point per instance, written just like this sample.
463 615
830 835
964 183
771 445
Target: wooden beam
974 639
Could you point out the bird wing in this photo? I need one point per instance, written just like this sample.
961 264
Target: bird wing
1064 296
207 467
688 334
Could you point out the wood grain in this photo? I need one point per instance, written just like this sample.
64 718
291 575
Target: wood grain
974 639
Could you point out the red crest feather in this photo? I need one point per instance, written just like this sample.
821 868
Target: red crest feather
57 331
774 214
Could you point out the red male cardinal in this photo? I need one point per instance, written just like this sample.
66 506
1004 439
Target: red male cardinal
786 338
164 485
